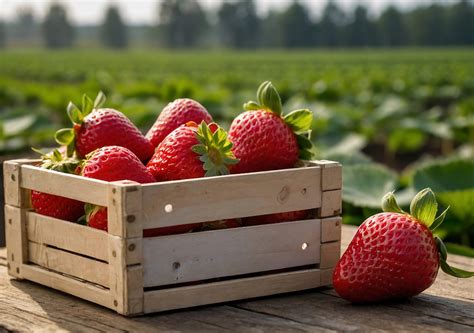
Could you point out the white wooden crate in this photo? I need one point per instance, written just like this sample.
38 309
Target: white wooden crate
133 275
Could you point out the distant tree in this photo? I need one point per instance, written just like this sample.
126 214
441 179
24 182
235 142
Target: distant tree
427 25
182 23
461 23
25 24
330 25
57 30
271 32
392 29
296 26
361 31
113 31
238 24
3 35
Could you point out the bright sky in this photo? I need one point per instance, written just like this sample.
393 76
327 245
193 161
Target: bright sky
144 11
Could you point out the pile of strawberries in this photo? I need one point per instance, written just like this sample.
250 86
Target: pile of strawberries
183 143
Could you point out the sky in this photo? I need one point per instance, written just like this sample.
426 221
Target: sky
145 11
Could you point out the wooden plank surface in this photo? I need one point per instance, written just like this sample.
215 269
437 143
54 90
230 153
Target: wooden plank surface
447 306
208 255
182 202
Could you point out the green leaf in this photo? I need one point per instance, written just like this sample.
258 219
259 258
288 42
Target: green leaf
87 105
74 113
453 271
303 141
64 136
251 105
424 207
437 222
199 149
305 155
269 98
389 204
99 100
441 248
299 120
365 184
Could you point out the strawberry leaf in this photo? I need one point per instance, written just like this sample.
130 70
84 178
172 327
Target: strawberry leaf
424 206
389 204
99 100
443 256
64 136
87 105
269 98
214 150
251 105
305 145
299 120
74 113
437 222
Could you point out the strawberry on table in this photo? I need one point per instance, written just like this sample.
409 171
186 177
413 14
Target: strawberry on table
192 151
265 139
176 113
394 254
94 128
53 205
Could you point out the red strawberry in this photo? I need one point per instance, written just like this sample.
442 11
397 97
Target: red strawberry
277 218
111 163
95 128
175 114
53 205
394 255
177 229
221 224
263 139
192 151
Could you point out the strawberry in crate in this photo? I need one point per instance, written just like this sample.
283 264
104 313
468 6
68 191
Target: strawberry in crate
52 205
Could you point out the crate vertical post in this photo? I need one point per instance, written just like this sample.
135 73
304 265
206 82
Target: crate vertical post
17 202
126 246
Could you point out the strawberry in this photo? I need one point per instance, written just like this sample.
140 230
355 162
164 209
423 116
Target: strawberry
264 139
111 163
277 218
94 128
176 113
53 205
192 151
394 255
176 229
221 224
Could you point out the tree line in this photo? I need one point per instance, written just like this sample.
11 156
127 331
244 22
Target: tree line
185 24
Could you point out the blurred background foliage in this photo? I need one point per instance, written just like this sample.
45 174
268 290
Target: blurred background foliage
397 118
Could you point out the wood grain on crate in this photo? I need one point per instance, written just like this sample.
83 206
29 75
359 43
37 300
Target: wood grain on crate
447 306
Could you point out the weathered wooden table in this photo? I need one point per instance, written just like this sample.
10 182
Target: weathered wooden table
447 306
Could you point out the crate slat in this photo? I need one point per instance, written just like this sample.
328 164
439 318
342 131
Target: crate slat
207 255
17 245
330 253
331 228
64 262
68 285
71 186
208 199
182 297
66 235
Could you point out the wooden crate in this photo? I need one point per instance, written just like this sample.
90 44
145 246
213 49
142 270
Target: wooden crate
133 275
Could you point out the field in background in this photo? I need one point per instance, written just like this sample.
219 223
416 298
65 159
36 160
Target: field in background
396 119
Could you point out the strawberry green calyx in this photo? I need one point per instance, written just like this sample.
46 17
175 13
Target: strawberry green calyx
215 149
298 120
54 160
390 204
423 208
66 136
